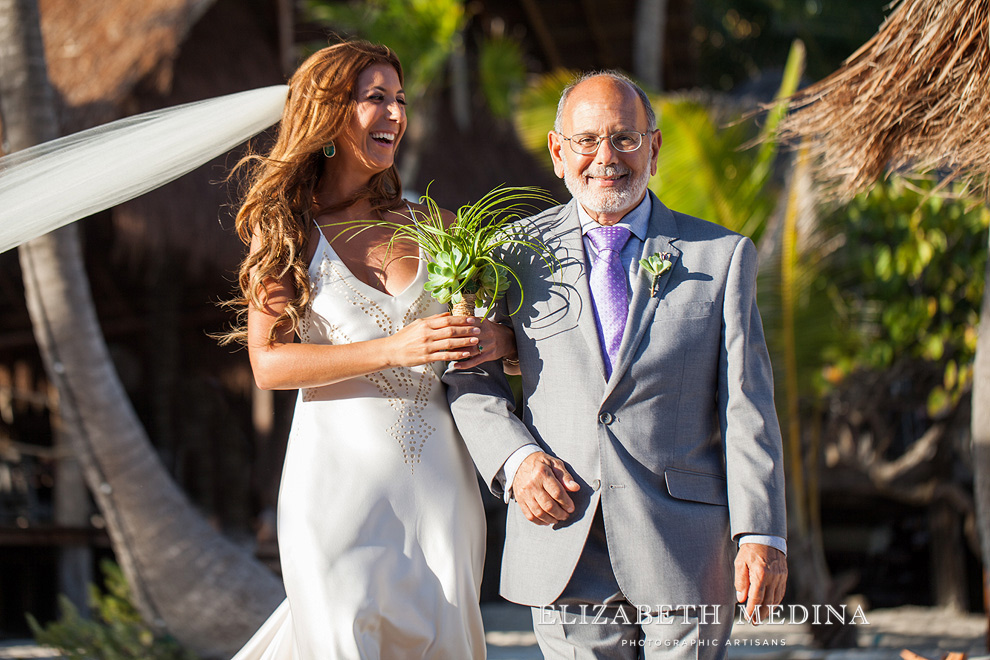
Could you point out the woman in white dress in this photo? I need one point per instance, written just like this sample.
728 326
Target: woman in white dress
380 523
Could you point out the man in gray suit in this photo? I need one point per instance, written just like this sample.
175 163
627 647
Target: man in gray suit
646 467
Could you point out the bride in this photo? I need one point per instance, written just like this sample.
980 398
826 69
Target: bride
380 523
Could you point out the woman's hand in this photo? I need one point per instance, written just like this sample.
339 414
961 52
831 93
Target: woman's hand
441 337
496 341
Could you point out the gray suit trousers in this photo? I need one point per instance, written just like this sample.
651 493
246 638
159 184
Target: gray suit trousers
592 619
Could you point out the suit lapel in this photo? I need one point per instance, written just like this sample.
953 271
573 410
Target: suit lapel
574 272
660 237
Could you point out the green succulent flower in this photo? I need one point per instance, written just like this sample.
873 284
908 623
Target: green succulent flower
447 272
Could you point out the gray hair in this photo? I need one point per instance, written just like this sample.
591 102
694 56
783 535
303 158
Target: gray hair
651 116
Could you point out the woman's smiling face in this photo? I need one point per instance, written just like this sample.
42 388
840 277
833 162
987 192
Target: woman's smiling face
379 119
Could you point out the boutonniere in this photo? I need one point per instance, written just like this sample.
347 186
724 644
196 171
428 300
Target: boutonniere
656 265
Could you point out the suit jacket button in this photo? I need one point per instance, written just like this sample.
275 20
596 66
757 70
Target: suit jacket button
596 484
606 418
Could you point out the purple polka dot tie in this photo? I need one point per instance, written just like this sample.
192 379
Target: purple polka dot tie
608 290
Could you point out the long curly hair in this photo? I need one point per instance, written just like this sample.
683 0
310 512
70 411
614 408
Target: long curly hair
280 186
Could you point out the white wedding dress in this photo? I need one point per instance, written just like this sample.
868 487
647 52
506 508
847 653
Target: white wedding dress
380 523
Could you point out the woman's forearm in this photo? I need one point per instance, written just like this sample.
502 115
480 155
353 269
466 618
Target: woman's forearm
284 365
294 366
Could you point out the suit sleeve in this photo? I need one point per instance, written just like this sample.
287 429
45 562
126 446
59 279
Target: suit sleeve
483 406
747 417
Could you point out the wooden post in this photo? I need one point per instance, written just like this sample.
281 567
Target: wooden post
648 41
286 36
72 509
948 562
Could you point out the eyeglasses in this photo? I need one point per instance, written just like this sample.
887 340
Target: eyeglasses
587 143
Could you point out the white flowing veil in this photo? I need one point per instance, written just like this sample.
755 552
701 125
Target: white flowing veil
58 182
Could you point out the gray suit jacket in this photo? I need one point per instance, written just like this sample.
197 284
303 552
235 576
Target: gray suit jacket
680 447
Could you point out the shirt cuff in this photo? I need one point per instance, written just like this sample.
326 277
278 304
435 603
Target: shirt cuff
773 541
512 464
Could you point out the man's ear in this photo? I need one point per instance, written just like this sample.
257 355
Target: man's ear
655 141
554 143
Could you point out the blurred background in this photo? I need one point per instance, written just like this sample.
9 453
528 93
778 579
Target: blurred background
871 306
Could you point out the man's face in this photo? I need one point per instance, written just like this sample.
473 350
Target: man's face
608 183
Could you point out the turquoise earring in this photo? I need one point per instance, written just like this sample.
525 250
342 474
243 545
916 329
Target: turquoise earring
329 150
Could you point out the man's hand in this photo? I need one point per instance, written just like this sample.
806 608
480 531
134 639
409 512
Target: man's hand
495 341
761 578
540 487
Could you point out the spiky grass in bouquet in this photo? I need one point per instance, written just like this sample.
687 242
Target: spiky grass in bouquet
463 262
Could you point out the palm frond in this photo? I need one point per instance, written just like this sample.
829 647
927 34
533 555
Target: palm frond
502 73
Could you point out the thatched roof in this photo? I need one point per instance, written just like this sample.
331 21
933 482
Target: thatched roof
916 98
98 50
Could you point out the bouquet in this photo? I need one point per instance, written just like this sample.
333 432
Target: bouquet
464 269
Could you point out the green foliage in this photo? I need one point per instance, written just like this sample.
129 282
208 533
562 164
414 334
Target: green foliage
537 109
701 165
422 32
502 73
705 168
116 632
910 278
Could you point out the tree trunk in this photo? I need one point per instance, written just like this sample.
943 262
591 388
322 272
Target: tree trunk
286 42
648 42
209 593
981 439
28 115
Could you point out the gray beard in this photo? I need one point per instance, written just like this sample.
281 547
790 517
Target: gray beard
608 201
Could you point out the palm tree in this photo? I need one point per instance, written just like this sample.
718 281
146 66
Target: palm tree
29 117
185 576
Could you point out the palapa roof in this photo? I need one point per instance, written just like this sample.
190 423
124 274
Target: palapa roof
98 50
914 98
